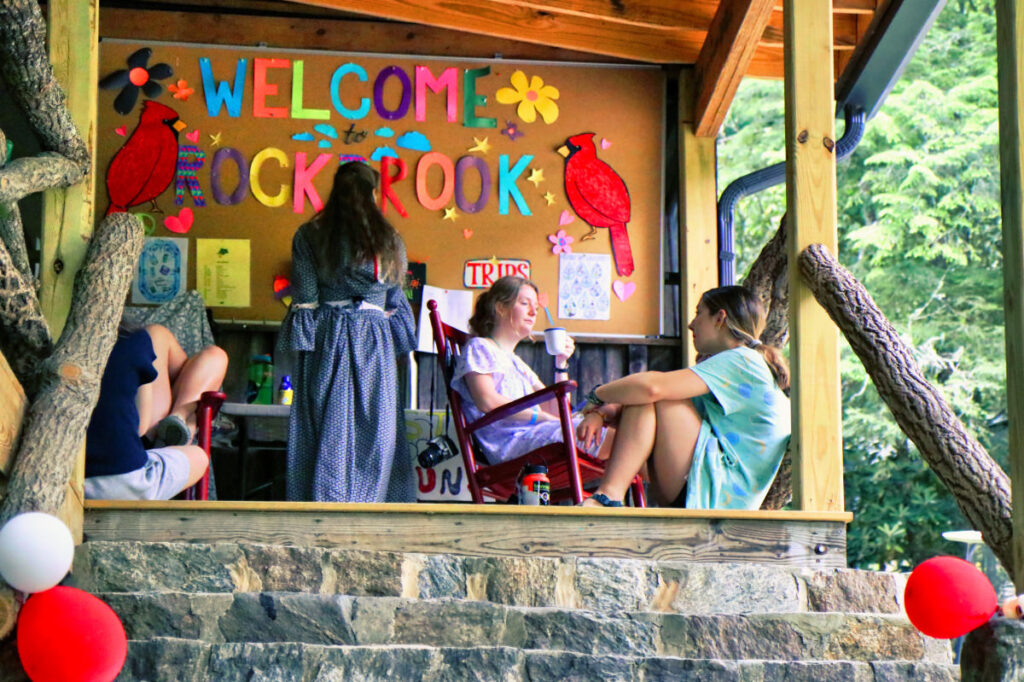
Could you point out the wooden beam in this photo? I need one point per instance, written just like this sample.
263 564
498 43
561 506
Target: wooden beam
1010 54
844 31
811 213
68 213
322 34
723 61
12 412
845 6
698 214
779 538
658 46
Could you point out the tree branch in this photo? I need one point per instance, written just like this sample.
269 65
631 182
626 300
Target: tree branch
767 277
24 335
979 486
56 421
25 65
39 173
12 232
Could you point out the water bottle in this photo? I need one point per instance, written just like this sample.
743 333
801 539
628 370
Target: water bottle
284 396
260 388
534 485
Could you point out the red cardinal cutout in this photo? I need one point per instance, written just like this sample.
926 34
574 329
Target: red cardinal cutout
599 196
144 167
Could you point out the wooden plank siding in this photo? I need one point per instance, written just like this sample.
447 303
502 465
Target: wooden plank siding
12 412
1010 50
781 538
811 212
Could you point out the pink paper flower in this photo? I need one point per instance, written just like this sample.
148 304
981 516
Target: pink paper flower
561 242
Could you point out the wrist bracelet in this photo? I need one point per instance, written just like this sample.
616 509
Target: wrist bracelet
534 415
562 369
592 397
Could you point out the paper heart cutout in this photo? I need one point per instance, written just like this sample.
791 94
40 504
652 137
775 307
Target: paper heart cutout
122 131
605 143
467 233
623 289
282 287
566 217
193 136
180 223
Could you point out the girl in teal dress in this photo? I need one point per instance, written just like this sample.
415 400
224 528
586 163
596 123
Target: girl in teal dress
712 436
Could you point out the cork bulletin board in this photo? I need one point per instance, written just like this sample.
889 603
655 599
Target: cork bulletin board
237 147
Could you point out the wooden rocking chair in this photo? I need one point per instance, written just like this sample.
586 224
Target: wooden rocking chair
568 467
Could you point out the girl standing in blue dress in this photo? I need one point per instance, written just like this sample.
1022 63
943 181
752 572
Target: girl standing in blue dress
717 431
348 321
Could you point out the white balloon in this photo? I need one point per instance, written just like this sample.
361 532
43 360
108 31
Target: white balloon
36 550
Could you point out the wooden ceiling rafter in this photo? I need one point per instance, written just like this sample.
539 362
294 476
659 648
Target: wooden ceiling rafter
731 43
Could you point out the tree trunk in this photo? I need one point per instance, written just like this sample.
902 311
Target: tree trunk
55 424
24 335
981 488
768 278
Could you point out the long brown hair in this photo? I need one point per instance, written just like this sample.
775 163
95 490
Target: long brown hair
504 291
745 319
350 227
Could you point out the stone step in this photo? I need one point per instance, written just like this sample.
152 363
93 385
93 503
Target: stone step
267 617
166 660
571 582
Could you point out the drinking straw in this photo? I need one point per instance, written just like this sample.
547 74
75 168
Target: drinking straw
551 323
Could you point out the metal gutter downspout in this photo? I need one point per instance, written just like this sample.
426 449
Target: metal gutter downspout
763 179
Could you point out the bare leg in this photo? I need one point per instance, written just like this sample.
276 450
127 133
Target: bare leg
633 443
678 426
154 399
202 372
197 463
180 381
662 436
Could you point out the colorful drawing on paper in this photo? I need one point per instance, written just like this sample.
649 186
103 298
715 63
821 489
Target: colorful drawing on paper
137 76
584 286
222 272
162 269
531 96
599 196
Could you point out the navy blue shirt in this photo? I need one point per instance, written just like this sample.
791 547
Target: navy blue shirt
112 444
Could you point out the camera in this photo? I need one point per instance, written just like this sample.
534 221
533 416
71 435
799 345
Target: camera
437 450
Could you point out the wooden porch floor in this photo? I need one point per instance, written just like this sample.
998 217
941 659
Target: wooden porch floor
811 539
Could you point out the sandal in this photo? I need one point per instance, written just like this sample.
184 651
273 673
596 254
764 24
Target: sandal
605 501
172 430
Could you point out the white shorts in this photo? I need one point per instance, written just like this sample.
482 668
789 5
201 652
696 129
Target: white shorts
163 477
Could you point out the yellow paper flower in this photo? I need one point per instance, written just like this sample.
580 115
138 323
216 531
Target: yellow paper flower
533 97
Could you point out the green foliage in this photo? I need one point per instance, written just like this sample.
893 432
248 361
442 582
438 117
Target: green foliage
918 205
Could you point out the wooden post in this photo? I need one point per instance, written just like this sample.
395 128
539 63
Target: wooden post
1009 33
68 213
698 214
811 214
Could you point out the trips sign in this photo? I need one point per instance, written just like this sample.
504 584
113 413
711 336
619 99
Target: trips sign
482 273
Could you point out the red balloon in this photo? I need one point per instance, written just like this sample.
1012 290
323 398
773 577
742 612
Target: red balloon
947 597
67 635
